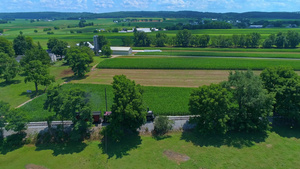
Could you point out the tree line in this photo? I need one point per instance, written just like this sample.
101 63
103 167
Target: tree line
246 102
184 38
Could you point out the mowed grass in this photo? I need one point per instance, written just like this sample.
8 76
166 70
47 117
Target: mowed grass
136 62
161 100
15 92
223 54
274 150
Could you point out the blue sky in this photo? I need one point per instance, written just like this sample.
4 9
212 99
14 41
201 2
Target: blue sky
100 6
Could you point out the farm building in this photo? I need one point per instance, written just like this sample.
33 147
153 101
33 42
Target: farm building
256 26
121 50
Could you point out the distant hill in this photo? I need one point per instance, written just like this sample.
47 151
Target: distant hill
150 14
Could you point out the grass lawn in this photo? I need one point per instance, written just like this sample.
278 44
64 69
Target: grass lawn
161 100
164 62
278 149
15 92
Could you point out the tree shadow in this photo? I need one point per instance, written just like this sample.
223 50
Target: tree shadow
5 83
120 148
32 94
70 78
12 142
158 138
231 139
46 142
62 148
285 131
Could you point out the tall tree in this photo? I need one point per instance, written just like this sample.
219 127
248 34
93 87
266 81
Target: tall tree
60 48
212 106
16 120
79 59
36 53
160 39
253 103
127 41
106 51
6 47
127 110
292 38
52 42
22 43
102 40
9 67
38 73
141 39
70 104
285 84
183 38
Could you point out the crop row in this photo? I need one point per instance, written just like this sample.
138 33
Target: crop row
196 63
223 54
161 100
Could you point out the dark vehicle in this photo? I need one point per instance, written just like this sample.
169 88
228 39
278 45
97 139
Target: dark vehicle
150 116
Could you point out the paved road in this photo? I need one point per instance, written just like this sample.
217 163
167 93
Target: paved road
180 123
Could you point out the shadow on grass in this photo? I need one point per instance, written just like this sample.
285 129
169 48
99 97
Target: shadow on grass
121 148
70 78
288 132
12 142
158 138
62 148
4 84
232 139
33 94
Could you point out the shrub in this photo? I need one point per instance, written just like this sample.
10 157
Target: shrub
162 125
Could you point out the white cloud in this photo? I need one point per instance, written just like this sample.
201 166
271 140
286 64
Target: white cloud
103 3
135 4
175 3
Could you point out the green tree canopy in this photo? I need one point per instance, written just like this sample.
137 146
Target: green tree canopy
60 48
161 39
16 120
6 47
106 51
141 39
102 40
38 73
285 84
183 38
79 59
127 110
22 43
9 67
213 107
253 103
70 104
36 53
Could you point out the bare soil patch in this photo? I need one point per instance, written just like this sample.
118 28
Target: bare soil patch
33 166
66 72
176 156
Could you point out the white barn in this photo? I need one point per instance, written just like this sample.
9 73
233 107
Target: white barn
121 50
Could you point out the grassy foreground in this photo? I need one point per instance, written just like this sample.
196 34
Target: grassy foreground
274 150
153 62
161 100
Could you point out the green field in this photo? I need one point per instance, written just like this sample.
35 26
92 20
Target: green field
161 100
12 30
224 54
154 62
277 149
